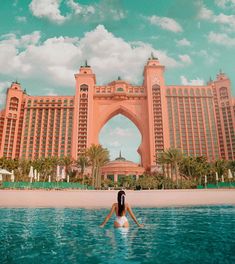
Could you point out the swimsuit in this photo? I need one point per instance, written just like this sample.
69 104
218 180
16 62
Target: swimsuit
121 220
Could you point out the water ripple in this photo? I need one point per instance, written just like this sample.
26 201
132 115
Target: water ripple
171 235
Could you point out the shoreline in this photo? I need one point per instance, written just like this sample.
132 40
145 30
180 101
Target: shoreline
104 199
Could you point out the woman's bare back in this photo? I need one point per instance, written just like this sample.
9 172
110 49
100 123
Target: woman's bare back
123 212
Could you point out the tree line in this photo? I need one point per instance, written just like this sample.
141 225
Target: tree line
174 169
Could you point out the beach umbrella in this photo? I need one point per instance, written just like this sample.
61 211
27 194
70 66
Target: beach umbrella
5 172
57 173
63 176
35 174
216 176
12 176
230 176
49 178
38 177
222 178
67 178
205 179
31 174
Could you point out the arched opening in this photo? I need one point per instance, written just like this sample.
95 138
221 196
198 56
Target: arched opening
119 133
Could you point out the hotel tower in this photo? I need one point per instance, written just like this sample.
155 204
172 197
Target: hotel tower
199 120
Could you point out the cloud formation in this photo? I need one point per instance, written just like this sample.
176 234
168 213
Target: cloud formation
49 9
183 42
101 11
121 132
165 23
196 81
55 60
225 3
221 39
3 88
185 58
221 19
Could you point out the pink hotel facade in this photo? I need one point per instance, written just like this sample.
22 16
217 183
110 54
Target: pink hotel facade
200 120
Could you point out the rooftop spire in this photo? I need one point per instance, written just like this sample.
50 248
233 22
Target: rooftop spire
152 57
120 158
86 65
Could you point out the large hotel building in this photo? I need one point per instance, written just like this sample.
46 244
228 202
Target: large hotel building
199 120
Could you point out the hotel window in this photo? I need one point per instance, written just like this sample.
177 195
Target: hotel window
209 92
84 88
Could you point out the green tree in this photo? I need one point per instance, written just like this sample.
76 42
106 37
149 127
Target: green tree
98 156
67 162
82 163
173 157
220 166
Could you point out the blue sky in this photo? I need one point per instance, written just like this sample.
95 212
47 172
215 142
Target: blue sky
44 42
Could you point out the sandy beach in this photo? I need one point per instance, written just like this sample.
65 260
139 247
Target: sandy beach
104 199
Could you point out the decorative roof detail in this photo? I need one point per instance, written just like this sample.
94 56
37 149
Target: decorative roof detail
152 57
86 65
120 158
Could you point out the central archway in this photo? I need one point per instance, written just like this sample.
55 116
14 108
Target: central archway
103 112
120 134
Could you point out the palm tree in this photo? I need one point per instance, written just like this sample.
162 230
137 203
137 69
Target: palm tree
173 157
23 170
67 162
98 156
187 166
82 163
162 160
220 166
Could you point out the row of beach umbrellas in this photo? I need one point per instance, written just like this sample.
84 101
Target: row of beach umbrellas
60 174
230 176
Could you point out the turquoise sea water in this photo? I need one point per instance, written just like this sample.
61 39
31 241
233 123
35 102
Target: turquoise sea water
171 235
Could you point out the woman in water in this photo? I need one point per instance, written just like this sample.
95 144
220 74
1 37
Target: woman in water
120 208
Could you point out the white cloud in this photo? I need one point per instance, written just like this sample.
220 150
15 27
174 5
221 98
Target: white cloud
50 92
114 144
196 81
183 42
55 60
3 87
225 3
209 58
221 39
121 132
221 19
165 23
185 58
21 19
79 9
49 9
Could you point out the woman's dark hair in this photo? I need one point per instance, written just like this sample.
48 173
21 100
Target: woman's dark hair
121 202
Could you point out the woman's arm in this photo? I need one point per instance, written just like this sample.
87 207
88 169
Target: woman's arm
108 216
133 216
